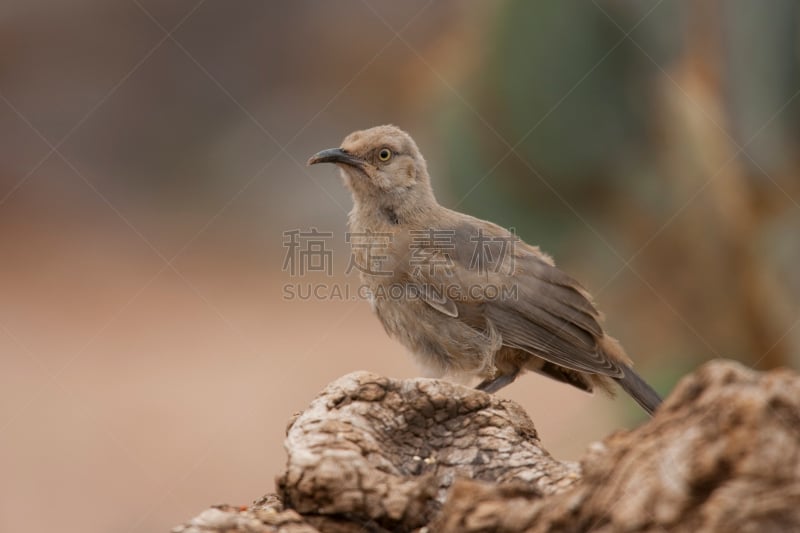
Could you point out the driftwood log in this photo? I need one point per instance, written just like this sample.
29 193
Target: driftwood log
374 454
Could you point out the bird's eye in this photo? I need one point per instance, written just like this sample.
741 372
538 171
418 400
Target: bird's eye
385 154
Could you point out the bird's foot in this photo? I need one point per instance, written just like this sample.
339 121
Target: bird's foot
492 385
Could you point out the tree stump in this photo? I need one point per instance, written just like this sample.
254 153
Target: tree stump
375 454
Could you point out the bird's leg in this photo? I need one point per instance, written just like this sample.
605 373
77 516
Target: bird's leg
492 385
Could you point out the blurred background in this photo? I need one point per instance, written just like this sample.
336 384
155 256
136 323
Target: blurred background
153 157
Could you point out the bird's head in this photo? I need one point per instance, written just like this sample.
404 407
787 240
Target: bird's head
381 164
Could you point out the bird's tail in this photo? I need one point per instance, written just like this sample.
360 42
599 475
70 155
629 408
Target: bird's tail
639 390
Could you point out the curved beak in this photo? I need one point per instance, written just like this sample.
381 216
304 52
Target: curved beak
335 155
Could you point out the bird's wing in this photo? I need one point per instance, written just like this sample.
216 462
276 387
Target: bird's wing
439 300
533 305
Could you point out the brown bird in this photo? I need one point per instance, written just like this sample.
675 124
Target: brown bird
467 297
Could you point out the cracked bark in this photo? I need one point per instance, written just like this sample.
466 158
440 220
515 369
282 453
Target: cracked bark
375 454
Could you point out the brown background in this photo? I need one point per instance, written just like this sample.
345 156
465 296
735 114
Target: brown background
148 359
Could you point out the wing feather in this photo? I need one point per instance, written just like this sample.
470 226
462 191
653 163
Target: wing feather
551 317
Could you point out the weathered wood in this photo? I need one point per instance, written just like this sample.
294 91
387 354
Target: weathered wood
375 454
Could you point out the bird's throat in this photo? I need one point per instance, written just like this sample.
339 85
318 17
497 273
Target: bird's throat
391 215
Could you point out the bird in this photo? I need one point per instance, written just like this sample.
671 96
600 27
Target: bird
467 297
